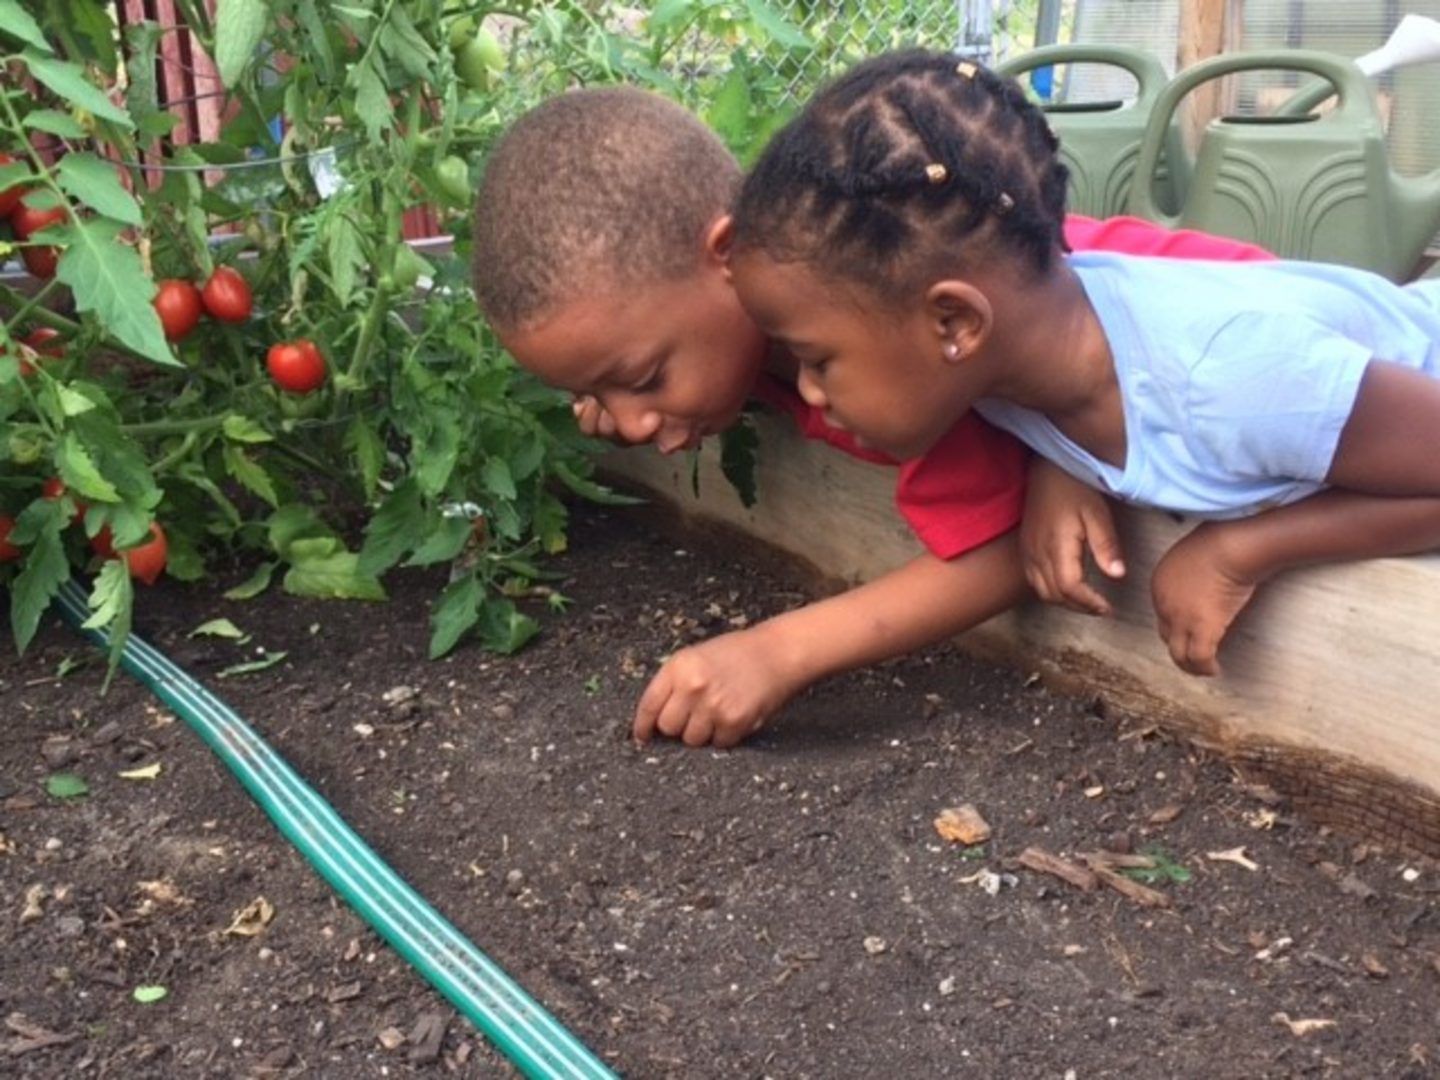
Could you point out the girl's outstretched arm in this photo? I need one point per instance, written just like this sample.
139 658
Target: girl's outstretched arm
723 690
1205 580
1388 444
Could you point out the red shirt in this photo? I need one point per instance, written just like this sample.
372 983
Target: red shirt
970 487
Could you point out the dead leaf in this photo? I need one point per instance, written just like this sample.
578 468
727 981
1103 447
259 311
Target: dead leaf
145 772
252 918
163 892
1166 814
32 910
1374 967
1236 855
1262 819
963 824
1301 1028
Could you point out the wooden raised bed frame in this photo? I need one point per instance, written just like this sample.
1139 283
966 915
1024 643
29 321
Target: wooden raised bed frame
1331 688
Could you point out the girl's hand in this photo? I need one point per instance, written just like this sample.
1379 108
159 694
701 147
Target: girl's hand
1198 591
1062 519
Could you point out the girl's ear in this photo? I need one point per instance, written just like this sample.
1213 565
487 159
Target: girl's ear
719 235
962 317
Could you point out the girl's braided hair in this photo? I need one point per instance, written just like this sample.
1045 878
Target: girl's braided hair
912 163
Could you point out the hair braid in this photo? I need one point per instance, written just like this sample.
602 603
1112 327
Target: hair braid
911 162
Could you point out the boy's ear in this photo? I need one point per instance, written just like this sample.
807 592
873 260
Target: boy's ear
961 315
719 235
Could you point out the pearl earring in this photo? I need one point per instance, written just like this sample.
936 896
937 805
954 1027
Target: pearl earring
951 351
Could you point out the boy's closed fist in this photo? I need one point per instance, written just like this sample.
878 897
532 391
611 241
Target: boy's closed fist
717 693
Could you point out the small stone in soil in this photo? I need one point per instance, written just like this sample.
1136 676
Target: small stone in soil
426 1037
390 1038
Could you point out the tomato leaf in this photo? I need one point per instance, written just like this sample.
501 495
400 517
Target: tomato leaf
107 278
243 429
589 489
239 29
54 122
112 606
96 184
68 81
250 475
254 585
223 628
504 629
446 540
395 528
249 667
332 575
495 475
738 444
457 610
369 452
16 22
79 471
45 570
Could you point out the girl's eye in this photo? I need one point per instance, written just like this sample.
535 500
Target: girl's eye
817 367
653 382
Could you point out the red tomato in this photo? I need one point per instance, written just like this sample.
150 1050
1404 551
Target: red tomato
8 551
10 197
41 261
178 304
54 488
26 221
37 338
227 295
103 543
35 342
147 560
296 366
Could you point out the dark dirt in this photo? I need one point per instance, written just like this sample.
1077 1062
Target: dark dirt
784 910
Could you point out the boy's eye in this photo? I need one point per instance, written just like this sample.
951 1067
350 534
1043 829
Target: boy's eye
651 382
816 367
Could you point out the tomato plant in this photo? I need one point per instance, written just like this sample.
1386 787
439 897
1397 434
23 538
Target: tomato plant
338 120
227 296
296 366
178 304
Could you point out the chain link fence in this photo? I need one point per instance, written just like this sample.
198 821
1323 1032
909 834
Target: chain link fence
850 30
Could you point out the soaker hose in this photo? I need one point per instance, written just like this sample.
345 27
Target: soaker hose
519 1026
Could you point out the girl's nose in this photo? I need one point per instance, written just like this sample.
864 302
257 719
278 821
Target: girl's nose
809 389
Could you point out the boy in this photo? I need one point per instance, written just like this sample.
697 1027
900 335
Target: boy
601 239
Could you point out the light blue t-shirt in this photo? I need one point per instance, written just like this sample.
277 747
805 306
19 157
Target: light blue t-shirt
1237 378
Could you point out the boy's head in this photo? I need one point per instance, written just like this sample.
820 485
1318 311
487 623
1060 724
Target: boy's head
601 235
877 226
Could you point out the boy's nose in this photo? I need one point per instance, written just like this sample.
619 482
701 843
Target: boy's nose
634 425
809 389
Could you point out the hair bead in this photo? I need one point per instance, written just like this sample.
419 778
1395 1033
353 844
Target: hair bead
936 173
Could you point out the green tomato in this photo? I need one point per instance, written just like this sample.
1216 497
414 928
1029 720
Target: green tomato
410 266
24 450
452 175
461 31
479 60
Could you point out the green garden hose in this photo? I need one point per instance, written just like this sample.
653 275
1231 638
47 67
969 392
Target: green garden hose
519 1026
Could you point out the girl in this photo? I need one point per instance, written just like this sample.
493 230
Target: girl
903 239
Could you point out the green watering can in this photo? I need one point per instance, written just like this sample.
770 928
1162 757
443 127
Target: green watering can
1100 140
1303 186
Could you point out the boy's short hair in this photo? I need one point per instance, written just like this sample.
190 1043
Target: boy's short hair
595 189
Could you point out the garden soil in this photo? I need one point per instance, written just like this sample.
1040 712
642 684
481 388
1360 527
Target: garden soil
787 909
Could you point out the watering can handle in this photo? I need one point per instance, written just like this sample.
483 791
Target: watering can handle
1349 83
1146 68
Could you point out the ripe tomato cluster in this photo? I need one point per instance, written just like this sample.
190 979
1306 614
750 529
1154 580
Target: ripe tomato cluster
25 221
146 560
296 366
226 297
